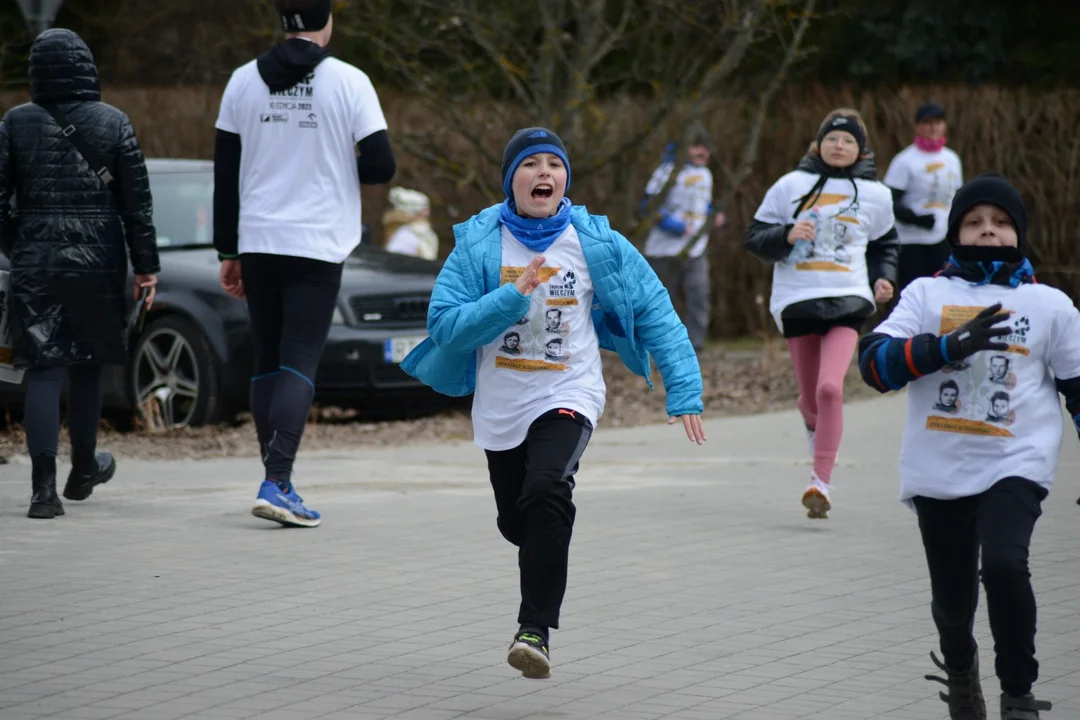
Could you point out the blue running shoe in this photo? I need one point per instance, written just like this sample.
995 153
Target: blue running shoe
285 508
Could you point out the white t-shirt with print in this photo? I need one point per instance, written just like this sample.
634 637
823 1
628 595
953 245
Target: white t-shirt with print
688 200
996 414
834 265
550 358
299 183
929 181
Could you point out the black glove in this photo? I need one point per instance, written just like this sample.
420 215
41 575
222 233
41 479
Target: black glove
924 221
978 334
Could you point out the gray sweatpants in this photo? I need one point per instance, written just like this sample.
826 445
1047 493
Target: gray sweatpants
690 276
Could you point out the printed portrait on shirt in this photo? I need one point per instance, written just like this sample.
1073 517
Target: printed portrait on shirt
1000 366
554 351
511 343
553 322
1000 412
948 398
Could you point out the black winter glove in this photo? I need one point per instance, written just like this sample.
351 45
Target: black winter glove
924 221
978 334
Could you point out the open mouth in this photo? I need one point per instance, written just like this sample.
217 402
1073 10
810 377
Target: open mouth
542 191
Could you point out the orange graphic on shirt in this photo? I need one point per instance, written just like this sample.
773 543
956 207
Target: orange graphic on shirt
522 365
934 167
953 316
965 427
823 200
511 274
822 266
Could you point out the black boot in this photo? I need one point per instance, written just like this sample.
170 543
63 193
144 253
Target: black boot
1022 708
82 480
965 696
44 503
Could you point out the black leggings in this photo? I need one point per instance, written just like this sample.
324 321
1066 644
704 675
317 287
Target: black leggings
41 415
997 524
534 487
291 302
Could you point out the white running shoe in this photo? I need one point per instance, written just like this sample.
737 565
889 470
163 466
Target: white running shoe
816 499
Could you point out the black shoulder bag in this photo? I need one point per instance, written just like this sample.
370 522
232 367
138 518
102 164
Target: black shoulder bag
76 138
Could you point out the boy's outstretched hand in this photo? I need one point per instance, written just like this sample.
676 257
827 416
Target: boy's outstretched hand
530 279
694 429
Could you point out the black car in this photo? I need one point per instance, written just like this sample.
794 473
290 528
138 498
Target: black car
192 362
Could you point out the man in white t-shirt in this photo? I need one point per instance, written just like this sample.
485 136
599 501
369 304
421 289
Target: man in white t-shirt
675 248
923 178
298 132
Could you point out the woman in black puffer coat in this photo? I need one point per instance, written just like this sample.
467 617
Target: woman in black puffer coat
69 242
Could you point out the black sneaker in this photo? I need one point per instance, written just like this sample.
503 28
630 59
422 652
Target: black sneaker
1022 708
529 654
82 482
965 698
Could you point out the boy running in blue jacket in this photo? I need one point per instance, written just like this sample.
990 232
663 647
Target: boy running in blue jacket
537 373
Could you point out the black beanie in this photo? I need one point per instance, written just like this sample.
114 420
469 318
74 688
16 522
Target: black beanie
929 111
993 189
526 142
846 124
313 19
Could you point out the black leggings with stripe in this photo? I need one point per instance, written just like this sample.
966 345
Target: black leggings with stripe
291 302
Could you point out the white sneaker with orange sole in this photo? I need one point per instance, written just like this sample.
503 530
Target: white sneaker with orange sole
816 499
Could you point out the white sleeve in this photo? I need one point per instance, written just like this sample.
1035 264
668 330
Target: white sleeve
898 175
659 177
773 207
959 168
368 117
883 218
404 242
1065 343
905 321
226 114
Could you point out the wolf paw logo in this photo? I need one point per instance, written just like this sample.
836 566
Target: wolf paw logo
1021 327
569 280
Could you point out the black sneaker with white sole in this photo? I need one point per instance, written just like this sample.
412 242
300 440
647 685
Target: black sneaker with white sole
529 654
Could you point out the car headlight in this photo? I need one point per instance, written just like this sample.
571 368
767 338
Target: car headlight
338 317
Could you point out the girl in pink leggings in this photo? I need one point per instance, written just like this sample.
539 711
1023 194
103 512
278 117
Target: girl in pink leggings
827 228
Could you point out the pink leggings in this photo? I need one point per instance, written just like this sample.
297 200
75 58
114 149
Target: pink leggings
821 362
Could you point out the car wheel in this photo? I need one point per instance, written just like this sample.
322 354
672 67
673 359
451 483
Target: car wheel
174 377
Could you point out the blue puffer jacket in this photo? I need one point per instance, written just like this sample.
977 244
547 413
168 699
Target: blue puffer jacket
631 311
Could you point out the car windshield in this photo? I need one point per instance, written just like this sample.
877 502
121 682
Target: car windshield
183 209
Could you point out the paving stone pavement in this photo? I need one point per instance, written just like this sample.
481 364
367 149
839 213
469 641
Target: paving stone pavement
698 589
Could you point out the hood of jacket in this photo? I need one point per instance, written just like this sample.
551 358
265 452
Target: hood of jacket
863 169
62 69
289 62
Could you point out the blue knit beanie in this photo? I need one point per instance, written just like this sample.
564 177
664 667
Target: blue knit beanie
526 142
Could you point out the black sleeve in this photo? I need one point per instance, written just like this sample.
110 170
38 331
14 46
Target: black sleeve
768 241
1070 390
376 159
227 194
887 363
7 188
883 257
136 202
905 214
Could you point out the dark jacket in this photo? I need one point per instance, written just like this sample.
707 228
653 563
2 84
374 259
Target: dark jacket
769 243
66 241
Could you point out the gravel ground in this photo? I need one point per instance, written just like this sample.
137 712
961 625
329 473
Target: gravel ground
737 382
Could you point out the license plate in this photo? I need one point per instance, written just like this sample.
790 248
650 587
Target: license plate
395 349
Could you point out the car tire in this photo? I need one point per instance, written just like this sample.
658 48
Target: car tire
174 377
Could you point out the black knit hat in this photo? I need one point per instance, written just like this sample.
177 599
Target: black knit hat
313 19
993 189
526 142
929 111
846 124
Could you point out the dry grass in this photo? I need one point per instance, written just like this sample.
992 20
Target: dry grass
1032 138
